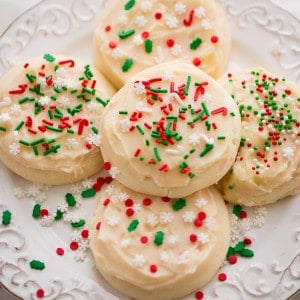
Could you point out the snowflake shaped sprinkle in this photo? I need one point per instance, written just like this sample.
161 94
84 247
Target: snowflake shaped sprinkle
116 53
172 22
288 152
203 237
64 101
139 88
200 203
44 100
87 183
209 223
166 217
206 24
164 256
138 40
76 188
125 243
200 12
207 97
188 216
146 6
47 221
83 245
176 50
122 197
92 106
113 220
62 206
80 256
4 117
14 149
168 75
140 21
71 143
125 125
94 139
19 192
15 109
172 239
110 189
138 260
32 190
137 207
152 220
76 236
122 20
194 139
180 8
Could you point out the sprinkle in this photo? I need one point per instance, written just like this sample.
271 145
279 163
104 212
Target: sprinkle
195 43
214 39
127 64
48 57
80 223
60 251
88 193
197 61
74 245
157 155
188 22
2 128
199 295
70 199
40 293
153 268
207 149
222 277
36 212
148 45
37 265
126 34
6 217
133 225
179 204
159 238
129 4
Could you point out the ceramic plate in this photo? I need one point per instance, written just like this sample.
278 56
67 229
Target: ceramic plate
264 35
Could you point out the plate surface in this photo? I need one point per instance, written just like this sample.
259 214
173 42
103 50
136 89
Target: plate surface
263 34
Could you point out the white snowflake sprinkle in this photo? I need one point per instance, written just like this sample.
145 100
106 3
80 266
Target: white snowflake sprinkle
14 149
122 197
80 256
64 101
200 12
15 109
76 236
87 183
203 237
113 220
137 207
125 125
93 106
19 192
207 98
76 188
194 139
139 88
164 256
152 220
138 40
94 139
4 117
288 152
168 75
116 53
71 143
200 203
125 243
47 221
44 100
206 24
188 216
62 207
110 189
138 260
172 239
172 22
122 20
140 21
176 50
209 223
180 8
83 245
32 190
166 217
146 6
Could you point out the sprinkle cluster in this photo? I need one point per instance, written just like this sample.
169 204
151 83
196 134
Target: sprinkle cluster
144 31
46 97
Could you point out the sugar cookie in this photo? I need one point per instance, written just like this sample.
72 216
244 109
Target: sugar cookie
159 248
267 167
135 35
170 131
49 115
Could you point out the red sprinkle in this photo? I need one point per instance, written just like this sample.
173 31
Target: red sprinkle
170 43
232 259
243 214
106 202
107 28
193 238
222 277
44 212
40 293
214 39
74 246
129 212
197 61
144 239
145 34
147 201
158 15
107 165
199 295
165 199
153 268
98 225
201 215
112 45
128 202
247 241
60 251
198 222
85 233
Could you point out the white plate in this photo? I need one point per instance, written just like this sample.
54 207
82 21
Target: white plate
263 34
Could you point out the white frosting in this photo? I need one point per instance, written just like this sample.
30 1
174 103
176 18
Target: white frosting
267 167
159 31
170 147
166 258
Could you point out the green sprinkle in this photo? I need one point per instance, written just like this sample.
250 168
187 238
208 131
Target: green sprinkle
50 141
50 114
48 57
206 111
207 149
148 45
78 224
31 77
123 112
187 86
70 131
95 130
232 114
195 43
87 72
2 128
36 211
239 246
157 155
70 199
127 64
230 187
59 215
230 252
183 165
125 34
24 142
53 149
237 209
6 217
129 4
56 129
159 238
221 137
179 204
35 150
102 101
247 253
88 193
19 126
192 175
140 129
159 91
133 225
37 265
36 142
147 142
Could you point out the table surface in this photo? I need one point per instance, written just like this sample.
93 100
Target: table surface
11 9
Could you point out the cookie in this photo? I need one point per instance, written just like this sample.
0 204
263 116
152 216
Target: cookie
158 248
267 167
49 117
134 35
170 131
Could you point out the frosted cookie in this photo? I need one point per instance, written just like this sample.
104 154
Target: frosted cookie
134 35
267 167
50 110
170 131
159 248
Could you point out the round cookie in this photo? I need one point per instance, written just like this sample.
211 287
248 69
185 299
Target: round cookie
134 35
159 248
170 131
267 167
49 117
